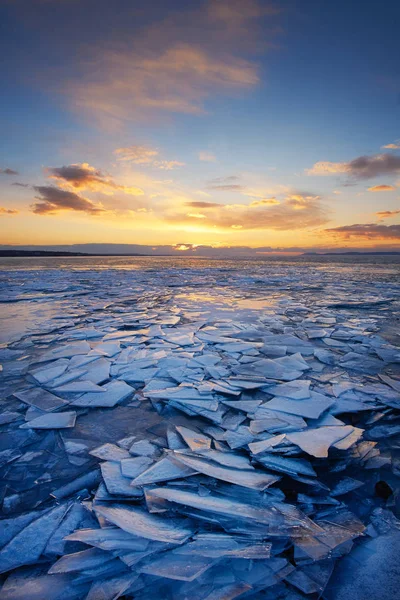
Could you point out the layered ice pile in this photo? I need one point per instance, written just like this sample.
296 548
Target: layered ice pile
202 435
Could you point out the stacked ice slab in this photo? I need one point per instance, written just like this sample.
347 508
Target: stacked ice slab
251 452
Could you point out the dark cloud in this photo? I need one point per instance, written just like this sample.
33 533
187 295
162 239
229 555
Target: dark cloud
52 199
25 185
80 176
367 167
363 167
84 176
202 204
8 172
77 175
369 231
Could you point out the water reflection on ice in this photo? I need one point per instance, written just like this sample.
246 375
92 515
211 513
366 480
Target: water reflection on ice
17 319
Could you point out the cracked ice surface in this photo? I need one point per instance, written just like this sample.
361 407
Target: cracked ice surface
187 429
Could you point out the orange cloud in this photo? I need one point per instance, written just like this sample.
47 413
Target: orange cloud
196 215
381 188
184 247
393 146
203 204
7 211
141 155
327 168
280 216
265 202
387 214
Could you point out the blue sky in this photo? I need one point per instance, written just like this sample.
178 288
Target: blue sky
237 105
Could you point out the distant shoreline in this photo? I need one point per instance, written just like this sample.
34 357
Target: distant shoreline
349 253
61 254
44 253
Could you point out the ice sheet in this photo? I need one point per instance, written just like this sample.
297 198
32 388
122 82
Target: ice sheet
209 432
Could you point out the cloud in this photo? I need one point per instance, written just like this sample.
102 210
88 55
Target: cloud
83 176
168 165
226 184
370 231
367 167
228 179
142 155
363 167
79 176
196 215
387 214
8 211
196 204
183 247
281 216
52 199
227 188
381 188
25 185
265 202
174 65
207 156
234 13
301 201
327 168
393 146
128 85
260 195
8 172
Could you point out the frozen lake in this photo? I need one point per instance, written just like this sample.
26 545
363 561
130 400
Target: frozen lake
187 428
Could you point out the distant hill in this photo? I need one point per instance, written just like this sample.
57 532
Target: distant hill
22 253
350 253
39 253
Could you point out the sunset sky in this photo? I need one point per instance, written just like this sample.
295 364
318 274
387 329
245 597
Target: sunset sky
208 123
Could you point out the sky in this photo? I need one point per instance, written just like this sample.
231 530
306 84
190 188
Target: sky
200 126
